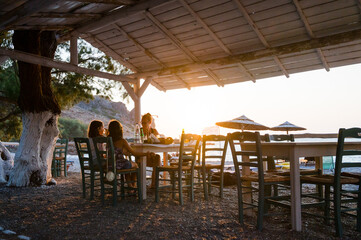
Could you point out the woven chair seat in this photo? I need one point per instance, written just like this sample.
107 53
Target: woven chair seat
59 158
126 170
173 167
287 172
328 179
267 178
352 174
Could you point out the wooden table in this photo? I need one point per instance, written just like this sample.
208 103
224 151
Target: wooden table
293 151
157 148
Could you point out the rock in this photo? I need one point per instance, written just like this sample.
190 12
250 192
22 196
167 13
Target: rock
104 110
9 232
24 237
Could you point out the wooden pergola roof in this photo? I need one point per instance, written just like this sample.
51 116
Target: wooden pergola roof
189 43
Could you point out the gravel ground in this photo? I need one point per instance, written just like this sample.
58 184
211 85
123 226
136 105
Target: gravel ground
60 212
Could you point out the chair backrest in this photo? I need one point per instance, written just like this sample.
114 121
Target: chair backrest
341 162
235 139
188 149
83 149
61 148
104 149
280 137
214 148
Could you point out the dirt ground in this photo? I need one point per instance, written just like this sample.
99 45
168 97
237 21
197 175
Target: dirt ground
60 212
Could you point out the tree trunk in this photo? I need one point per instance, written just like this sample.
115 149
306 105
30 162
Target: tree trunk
40 111
6 163
34 155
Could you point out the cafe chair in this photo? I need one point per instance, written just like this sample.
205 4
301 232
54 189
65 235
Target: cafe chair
89 173
111 178
214 149
182 172
343 185
252 181
59 163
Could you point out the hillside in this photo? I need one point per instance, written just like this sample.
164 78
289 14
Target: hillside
104 110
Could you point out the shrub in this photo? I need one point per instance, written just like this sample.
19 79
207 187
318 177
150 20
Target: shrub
70 128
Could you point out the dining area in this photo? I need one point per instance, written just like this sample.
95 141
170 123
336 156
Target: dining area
260 184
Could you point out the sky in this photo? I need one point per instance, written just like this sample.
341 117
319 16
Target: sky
320 101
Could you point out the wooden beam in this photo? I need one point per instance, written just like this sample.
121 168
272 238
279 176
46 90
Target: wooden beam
3 59
130 91
65 15
115 2
114 54
179 44
26 9
310 33
280 65
138 45
249 75
74 50
117 16
205 27
43 27
47 62
315 43
144 86
255 28
182 81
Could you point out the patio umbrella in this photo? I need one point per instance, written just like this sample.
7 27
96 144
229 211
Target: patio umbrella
287 126
243 123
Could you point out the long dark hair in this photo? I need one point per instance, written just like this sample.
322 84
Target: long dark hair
93 130
115 129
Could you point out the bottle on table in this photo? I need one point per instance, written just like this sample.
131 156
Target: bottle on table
141 135
137 133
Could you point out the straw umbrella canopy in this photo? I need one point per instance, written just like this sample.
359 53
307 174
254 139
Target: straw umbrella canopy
243 123
287 126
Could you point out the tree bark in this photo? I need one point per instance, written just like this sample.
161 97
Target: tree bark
40 111
6 163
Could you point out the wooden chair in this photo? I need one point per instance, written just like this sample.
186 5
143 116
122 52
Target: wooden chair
246 177
182 172
214 149
89 173
111 178
344 199
59 158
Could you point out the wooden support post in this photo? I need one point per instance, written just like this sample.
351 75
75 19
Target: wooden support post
74 50
137 103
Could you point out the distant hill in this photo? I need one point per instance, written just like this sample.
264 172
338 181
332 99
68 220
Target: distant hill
104 110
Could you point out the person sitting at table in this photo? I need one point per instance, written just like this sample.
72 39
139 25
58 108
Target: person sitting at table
95 129
122 147
150 133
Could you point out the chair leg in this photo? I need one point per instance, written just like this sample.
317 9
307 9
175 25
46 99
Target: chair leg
156 184
358 224
173 184
92 179
240 201
122 186
204 177
115 192
139 187
192 186
180 189
261 203
221 184
327 204
337 209
65 169
83 183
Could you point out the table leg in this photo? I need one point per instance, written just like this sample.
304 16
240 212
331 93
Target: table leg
165 163
143 176
295 191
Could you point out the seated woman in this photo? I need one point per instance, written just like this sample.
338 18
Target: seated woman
95 129
150 134
122 147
